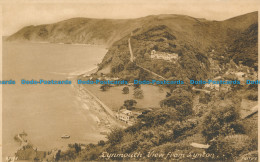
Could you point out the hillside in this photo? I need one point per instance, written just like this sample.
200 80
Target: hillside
77 30
107 31
244 48
192 39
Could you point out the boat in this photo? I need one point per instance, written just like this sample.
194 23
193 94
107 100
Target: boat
65 136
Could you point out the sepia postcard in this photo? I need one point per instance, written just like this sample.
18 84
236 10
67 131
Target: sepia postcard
136 80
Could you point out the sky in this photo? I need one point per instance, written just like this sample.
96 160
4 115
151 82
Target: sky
17 14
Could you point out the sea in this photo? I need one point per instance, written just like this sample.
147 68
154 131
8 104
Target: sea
46 112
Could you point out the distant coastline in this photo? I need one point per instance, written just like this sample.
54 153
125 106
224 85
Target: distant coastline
4 38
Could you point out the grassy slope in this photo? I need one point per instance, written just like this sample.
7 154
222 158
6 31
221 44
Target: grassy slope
114 98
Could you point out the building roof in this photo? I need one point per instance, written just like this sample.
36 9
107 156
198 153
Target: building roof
240 73
217 78
124 111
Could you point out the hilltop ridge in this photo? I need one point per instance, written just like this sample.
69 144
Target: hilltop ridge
107 31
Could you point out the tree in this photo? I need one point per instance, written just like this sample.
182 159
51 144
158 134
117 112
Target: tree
143 75
222 120
125 90
231 147
180 128
104 87
204 98
101 143
168 94
117 65
57 157
138 93
115 136
77 148
158 117
253 96
130 66
181 101
129 104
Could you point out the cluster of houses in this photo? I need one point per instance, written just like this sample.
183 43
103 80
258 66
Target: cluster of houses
218 87
241 72
234 72
172 57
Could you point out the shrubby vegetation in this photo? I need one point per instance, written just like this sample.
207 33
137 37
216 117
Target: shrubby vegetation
205 98
174 127
125 90
181 101
138 93
222 120
129 104
230 147
253 97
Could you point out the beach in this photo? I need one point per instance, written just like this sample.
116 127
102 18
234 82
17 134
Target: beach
100 112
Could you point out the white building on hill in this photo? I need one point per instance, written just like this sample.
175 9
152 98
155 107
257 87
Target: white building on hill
164 56
124 115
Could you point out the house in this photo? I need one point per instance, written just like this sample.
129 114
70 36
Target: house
212 86
130 84
172 57
222 87
115 78
241 76
136 113
124 115
128 116
217 78
214 66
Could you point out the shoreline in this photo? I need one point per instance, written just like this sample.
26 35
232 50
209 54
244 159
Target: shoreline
58 43
103 115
